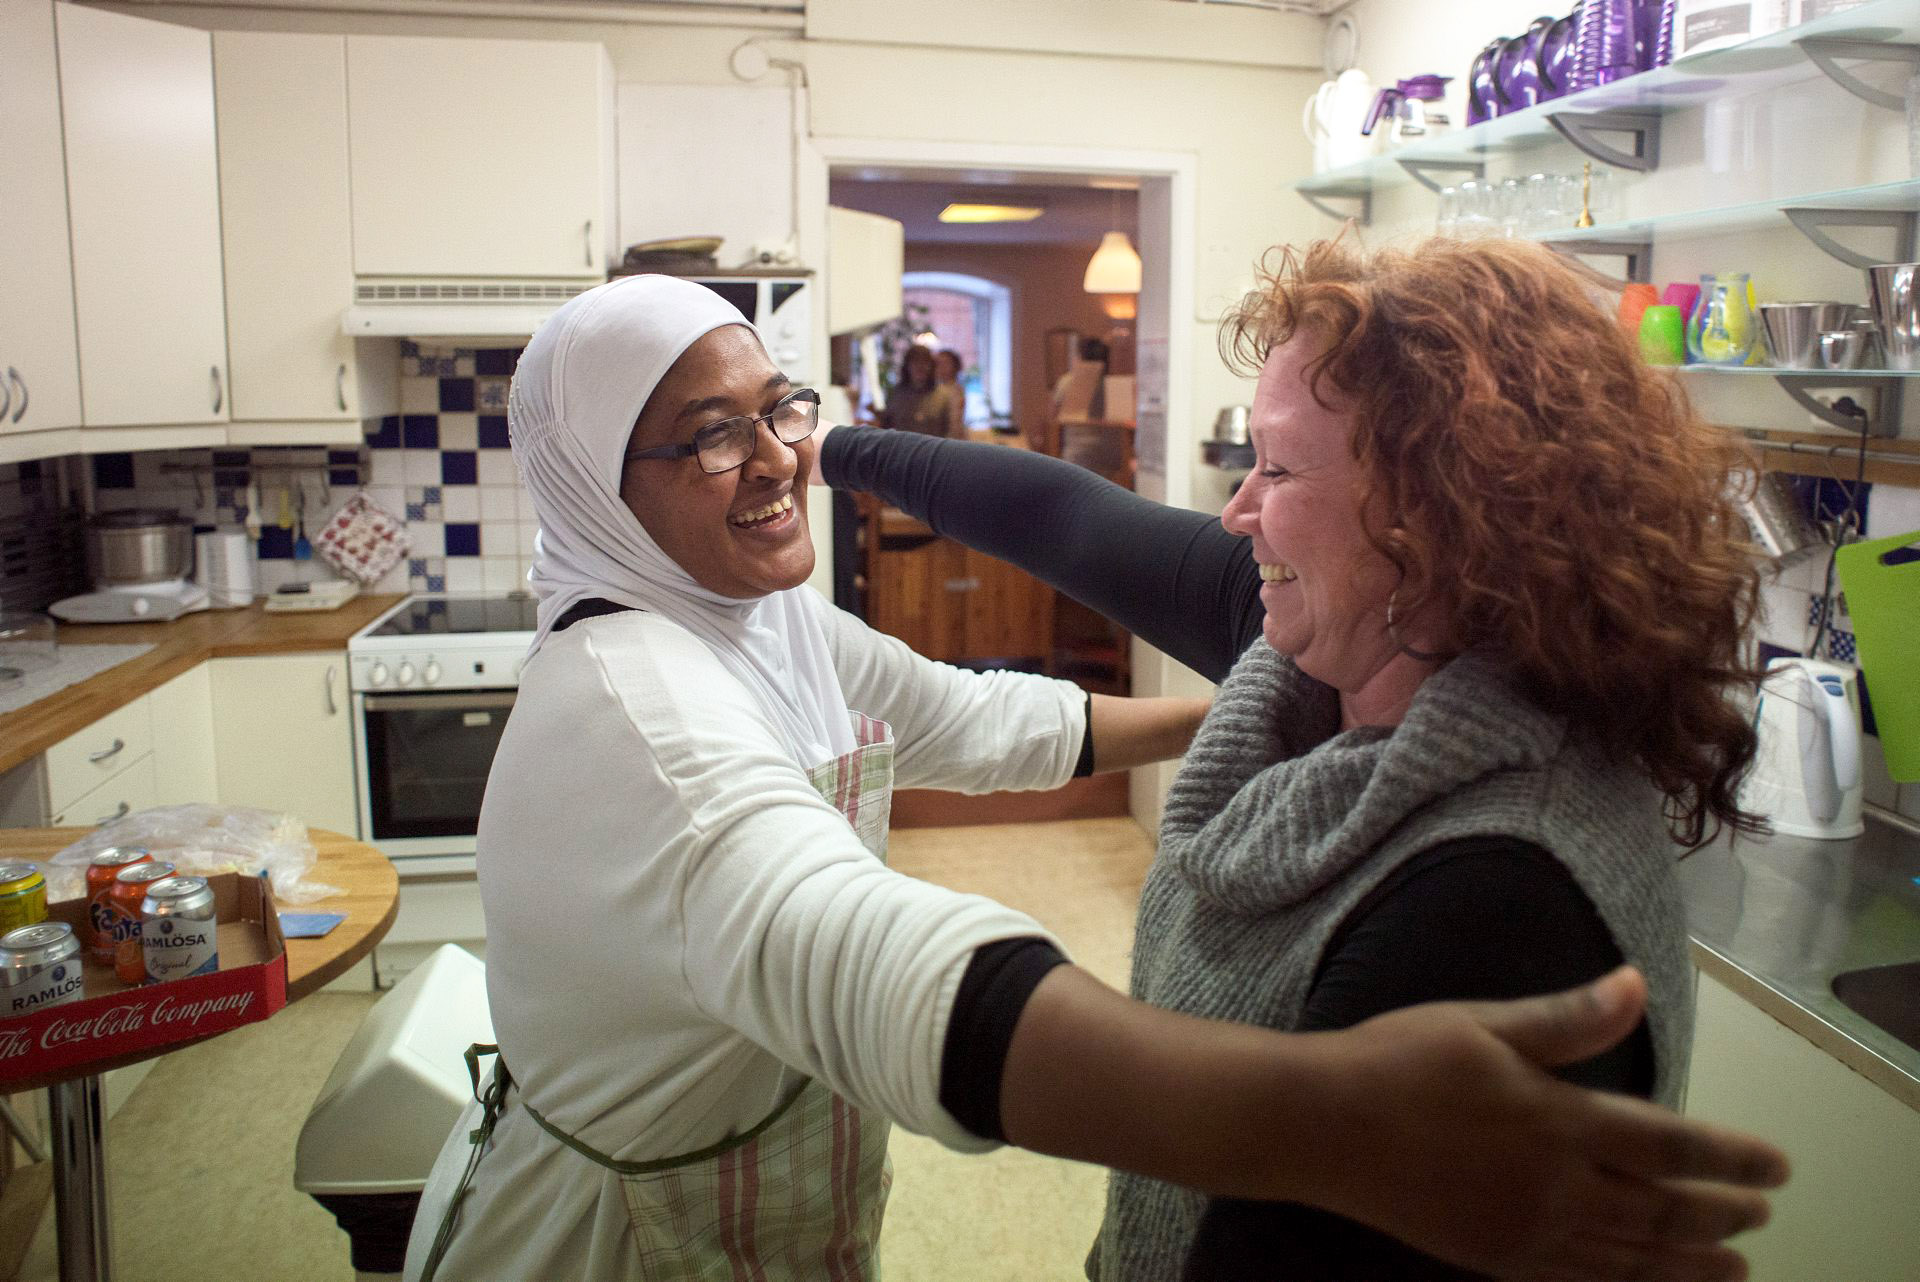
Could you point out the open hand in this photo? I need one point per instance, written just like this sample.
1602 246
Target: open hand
1453 1139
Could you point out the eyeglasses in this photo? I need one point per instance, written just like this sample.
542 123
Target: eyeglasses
725 445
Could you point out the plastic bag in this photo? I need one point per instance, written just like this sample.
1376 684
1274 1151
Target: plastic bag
202 839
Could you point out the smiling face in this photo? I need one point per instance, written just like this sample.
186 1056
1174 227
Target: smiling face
741 533
1324 585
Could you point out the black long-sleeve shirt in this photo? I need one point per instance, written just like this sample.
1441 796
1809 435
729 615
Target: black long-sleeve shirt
1477 919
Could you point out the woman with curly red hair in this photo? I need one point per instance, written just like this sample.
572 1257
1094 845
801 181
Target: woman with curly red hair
1477 618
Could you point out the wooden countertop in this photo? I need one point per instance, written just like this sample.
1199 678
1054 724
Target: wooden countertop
177 646
372 898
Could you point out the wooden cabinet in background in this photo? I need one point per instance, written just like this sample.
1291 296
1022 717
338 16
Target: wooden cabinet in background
947 601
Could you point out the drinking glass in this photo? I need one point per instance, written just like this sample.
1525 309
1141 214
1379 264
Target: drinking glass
1662 340
1721 330
1513 208
1476 208
1447 221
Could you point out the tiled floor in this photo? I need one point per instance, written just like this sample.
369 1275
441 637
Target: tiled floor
201 1156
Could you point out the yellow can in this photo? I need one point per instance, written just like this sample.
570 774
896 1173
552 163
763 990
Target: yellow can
23 896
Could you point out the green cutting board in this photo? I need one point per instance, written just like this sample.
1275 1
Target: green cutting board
1884 600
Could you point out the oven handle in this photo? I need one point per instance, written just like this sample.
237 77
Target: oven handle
412 702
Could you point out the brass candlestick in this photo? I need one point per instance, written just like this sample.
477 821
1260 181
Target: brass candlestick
1586 196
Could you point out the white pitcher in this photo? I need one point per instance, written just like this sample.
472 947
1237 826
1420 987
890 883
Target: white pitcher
1332 120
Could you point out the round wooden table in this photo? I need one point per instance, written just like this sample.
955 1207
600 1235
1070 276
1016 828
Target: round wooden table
79 1120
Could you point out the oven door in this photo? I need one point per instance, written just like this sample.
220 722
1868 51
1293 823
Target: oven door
424 760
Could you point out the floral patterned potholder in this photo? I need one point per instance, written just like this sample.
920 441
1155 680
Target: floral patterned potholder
363 540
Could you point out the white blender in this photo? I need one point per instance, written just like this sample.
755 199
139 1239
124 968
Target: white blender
138 560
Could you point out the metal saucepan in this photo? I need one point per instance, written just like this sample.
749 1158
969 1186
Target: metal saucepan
140 545
1895 291
1230 425
1793 329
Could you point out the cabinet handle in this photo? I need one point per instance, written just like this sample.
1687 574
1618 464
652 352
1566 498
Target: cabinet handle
104 753
7 393
219 394
340 385
963 585
121 813
14 374
587 242
332 707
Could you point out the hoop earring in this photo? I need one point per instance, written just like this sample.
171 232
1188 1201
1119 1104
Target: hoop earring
1393 635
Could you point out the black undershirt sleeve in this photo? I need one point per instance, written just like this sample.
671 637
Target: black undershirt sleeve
1478 919
1174 578
993 992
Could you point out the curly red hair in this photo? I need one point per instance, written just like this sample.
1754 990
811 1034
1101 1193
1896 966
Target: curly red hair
1543 488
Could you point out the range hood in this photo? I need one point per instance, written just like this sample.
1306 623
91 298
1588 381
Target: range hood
459 313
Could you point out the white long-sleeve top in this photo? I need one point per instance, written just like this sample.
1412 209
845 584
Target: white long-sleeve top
679 927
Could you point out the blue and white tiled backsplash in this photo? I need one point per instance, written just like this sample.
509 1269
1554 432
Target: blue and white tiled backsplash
442 464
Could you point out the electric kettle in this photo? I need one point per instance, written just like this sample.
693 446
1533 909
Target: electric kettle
1806 773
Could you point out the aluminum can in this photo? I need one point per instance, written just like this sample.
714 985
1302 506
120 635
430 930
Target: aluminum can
40 966
128 893
101 871
23 896
177 930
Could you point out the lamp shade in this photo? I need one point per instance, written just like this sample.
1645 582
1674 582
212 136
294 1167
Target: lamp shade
1114 267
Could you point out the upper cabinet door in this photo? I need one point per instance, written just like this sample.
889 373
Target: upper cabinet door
480 157
39 363
144 202
286 221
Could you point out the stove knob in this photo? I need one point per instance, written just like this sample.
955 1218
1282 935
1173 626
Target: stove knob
430 674
404 675
377 674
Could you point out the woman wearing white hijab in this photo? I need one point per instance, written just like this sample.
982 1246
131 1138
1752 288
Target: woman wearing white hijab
711 995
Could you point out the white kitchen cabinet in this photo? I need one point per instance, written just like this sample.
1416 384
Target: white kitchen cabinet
1848 1212
85 760
144 209
282 736
286 223
181 713
39 359
489 158
130 790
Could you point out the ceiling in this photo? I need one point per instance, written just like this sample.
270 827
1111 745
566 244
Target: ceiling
1077 213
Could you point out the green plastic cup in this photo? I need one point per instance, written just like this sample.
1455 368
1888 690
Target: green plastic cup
1663 339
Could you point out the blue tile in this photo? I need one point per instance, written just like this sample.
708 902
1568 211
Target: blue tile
343 457
495 360
463 539
493 432
231 458
460 467
421 431
113 471
387 435
456 396
347 479
436 583
416 511
430 494
233 480
30 470
417 568
276 544
410 348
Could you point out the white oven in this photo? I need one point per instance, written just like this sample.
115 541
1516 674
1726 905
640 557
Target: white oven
432 684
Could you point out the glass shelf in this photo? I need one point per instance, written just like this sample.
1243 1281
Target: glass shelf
1894 197
1688 82
1769 371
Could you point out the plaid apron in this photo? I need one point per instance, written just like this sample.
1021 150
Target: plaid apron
797 1197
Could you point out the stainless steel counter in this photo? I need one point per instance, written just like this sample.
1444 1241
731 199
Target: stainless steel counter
1775 919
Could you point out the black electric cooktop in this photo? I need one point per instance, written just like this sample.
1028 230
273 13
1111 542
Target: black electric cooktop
445 616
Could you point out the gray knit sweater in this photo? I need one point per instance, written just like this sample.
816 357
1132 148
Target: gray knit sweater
1279 824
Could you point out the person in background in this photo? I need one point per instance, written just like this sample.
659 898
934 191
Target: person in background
1080 393
1477 615
918 402
946 373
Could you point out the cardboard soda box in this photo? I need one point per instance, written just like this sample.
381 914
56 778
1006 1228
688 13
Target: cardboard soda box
116 1021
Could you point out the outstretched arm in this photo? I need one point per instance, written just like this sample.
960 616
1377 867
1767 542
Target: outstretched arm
1436 1124
1175 578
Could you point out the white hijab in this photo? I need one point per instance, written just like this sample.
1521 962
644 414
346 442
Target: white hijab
579 387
